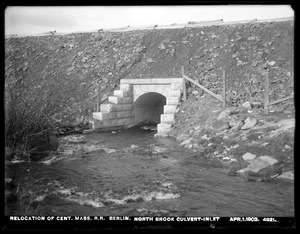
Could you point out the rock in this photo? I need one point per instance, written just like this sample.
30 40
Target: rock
227 112
271 63
134 147
256 104
162 46
220 125
150 60
196 145
186 142
237 126
247 105
233 120
205 137
265 144
287 175
287 147
249 156
249 123
258 164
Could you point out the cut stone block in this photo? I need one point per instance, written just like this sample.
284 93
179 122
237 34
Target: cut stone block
120 100
160 135
122 93
169 109
124 114
96 124
107 108
121 122
175 93
112 123
126 87
167 118
103 116
173 100
164 127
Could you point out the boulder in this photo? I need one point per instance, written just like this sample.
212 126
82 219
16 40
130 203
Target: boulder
226 113
287 175
247 105
233 120
258 164
249 123
249 156
237 126
220 125
195 92
256 104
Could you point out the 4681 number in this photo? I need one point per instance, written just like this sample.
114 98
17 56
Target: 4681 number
269 219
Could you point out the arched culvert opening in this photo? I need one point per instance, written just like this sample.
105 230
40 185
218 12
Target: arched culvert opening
148 108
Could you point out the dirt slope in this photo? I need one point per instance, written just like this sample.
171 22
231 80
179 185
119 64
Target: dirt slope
65 69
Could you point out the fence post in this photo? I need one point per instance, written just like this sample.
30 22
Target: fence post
98 97
224 89
183 85
267 92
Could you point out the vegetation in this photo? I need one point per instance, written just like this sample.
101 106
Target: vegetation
27 119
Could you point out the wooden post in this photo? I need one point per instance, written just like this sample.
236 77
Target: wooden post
98 98
224 89
267 92
183 85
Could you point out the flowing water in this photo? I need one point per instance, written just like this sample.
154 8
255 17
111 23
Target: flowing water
138 174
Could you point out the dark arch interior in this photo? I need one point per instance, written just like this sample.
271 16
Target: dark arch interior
148 108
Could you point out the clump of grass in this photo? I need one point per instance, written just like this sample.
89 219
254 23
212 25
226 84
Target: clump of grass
27 118
26 203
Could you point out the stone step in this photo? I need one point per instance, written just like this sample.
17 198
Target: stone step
163 127
107 108
122 93
167 118
160 135
120 100
126 87
170 109
173 100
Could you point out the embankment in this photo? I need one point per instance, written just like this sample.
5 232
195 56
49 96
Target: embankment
64 69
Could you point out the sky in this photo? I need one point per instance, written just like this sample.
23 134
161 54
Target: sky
37 19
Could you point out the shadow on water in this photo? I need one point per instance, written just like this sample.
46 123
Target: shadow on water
133 173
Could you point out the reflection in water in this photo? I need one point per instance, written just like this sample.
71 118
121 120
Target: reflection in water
143 175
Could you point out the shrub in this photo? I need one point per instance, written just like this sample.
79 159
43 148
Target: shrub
26 120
